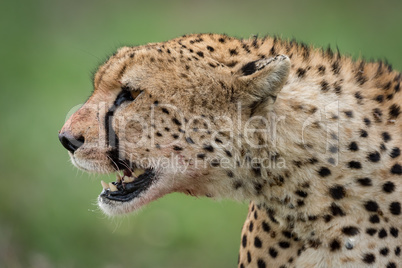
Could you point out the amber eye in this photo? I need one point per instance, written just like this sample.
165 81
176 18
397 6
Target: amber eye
135 93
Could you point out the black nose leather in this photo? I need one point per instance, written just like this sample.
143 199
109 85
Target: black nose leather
70 142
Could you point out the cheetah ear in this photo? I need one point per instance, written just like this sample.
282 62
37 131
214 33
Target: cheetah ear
263 79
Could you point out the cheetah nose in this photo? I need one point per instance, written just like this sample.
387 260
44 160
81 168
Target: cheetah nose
70 142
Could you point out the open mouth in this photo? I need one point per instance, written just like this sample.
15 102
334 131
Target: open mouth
128 185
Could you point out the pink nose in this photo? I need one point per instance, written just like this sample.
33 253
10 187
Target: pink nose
70 142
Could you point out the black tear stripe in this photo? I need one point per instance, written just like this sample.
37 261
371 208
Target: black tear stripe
111 137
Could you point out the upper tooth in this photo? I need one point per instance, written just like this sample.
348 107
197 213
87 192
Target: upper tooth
118 177
104 185
128 179
138 172
112 187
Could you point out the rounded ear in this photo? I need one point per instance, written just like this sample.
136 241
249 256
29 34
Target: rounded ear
263 79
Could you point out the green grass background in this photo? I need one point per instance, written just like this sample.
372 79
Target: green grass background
48 216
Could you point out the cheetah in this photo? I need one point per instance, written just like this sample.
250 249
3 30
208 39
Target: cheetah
311 138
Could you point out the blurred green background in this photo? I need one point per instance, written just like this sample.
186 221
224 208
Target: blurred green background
48 215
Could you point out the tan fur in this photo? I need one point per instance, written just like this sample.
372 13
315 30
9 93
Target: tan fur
329 128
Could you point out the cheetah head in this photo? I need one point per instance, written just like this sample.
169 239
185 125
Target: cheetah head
164 117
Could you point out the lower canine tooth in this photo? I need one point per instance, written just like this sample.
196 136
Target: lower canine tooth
128 179
112 187
104 185
138 172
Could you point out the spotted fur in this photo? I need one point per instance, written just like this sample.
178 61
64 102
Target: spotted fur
331 195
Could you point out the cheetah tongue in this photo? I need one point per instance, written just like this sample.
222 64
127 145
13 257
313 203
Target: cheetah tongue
127 173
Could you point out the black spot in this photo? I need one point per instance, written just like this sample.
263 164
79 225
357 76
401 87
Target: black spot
371 231
334 245
396 169
377 114
201 156
228 153
215 162
336 68
336 210
394 232
321 69
364 182
383 147
359 97
221 40
248 256
395 208
284 244
374 157
189 140
382 233
237 184
273 252
208 148
371 206
158 134
258 187
354 165
368 258
395 152
367 121
374 219
300 72
230 173
210 48
175 136
201 54
177 148
324 172
261 263
363 133
333 149
251 226
388 187
337 192
218 140
301 193
338 89
257 242
249 68
327 218
353 146
394 111
379 98
287 234
350 230
233 52
349 114
384 251
324 86
391 265
244 241
177 122
266 227
397 251
386 137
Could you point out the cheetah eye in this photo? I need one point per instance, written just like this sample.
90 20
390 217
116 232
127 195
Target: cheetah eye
135 93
